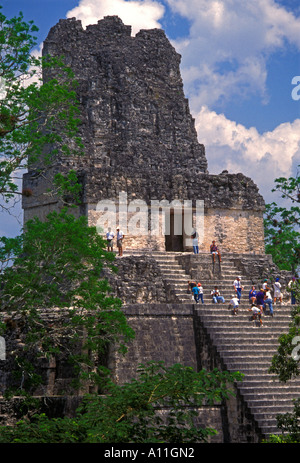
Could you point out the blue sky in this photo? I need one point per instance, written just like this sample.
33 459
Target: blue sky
238 62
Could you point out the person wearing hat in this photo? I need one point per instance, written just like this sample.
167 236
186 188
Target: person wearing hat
120 238
234 304
277 290
265 284
237 285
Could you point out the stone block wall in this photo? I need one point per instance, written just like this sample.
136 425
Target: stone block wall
164 332
235 230
138 279
139 139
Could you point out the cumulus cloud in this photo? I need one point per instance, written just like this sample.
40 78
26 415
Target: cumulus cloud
140 14
263 157
228 46
225 55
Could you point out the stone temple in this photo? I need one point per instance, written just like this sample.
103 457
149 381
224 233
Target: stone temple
142 159
141 149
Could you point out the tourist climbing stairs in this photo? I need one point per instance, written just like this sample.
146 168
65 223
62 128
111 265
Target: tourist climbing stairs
242 345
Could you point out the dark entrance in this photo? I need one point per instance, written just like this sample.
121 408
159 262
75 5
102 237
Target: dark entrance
174 240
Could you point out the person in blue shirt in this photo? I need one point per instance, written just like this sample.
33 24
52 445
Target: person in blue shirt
252 295
196 293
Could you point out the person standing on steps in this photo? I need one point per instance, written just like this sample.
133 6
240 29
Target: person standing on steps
194 236
109 239
277 291
200 293
237 285
268 300
214 250
120 238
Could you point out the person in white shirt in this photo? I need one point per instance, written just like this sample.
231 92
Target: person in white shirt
120 238
256 313
237 284
277 291
268 300
109 238
234 304
265 285
216 296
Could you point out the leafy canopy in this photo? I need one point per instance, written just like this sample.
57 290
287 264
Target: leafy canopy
38 119
160 405
282 233
59 267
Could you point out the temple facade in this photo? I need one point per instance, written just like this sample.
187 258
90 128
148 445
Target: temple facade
143 167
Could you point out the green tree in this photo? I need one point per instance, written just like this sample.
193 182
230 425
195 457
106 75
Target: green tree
38 119
159 406
289 425
59 267
282 225
282 242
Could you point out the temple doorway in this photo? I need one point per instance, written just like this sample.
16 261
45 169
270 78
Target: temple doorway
174 232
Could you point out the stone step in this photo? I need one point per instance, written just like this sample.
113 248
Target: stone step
254 357
243 345
271 410
277 395
266 403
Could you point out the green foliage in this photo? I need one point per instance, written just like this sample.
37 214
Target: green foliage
285 363
38 119
159 406
282 235
282 238
59 267
289 425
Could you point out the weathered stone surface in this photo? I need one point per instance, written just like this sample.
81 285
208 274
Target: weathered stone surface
138 279
139 135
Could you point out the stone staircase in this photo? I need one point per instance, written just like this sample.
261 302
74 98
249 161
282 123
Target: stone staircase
242 345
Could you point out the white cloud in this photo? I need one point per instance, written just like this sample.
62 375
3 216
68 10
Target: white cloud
263 157
140 14
229 44
225 55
